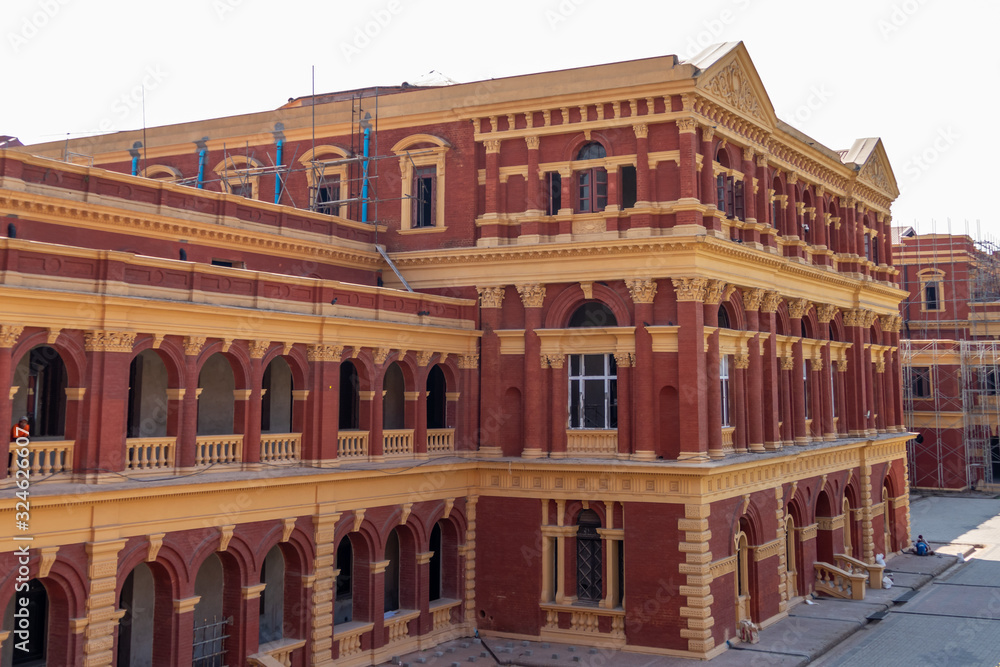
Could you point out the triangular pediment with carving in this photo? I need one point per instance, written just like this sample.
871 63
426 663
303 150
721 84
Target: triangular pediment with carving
878 173
733 81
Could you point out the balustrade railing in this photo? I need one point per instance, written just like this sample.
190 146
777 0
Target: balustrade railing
440 440
352 444
837 583
150 453
397 442
280 447
214 449
45 457
592 442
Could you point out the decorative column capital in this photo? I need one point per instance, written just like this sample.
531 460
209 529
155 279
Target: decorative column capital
641 130
690 289
825 312
742 361
707 132
532 143
869 318
532 295
797 308
686 125
762 160
793 178
468 361
9 334
842 365
491 297
880 365
717 291
816 364
193 345
424 357
258 348
108 341
748 154
324 352
492 146
888 323
381 355
625 359
772 300
752 298
642 290
787 363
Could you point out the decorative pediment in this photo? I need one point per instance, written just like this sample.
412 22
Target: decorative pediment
733 81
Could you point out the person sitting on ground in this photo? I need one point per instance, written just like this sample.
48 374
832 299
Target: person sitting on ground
921 548
19 430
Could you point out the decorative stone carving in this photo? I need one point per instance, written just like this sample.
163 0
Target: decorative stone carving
492 146
287 528
324 352
588 290
825 312
771 302
227 343
742 361
155 542
108 341
193 345
748 154
225 535
752 298
797 308
468 361
708 133
641 130
842 366
491 297
716 291
404 515
532 142
869 318
449 504
532 295
880 365
642 290
52 335
424 357
381 354
553 360
816 364
624 359
686 125
734 87
46 561
787 363
690 289
9 334
875 174
258 348
359 516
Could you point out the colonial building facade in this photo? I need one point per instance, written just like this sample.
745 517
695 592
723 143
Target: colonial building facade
607 356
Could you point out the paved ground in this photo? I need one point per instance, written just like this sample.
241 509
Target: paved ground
939 612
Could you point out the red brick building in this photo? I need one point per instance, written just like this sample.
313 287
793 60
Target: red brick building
605 355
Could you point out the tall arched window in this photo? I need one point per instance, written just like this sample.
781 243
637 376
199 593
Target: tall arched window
391 601
593 378
272 599
393 399
40 378
343 606
589 560
437 404
436 564
742 577
350 397
848 525
791 573
33 651
592 183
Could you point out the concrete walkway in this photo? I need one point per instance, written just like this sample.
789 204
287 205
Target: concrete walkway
954 621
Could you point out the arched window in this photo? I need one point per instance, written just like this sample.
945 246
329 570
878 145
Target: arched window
436 564
791 573
136 628
742 549
437 403
848 525
592 183
216 404
272 599
391 601
41 380
350 397
724 318
276 401
147 396
593 378
393 405
589 560
729 191
37 621
343 607
211 629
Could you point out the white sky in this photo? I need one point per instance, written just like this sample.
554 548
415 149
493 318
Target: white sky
909 71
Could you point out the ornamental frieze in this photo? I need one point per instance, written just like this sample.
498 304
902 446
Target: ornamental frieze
108 341
324 352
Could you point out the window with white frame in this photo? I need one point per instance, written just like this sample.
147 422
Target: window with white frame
724 381
593 391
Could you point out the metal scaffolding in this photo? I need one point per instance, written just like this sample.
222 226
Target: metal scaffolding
951 357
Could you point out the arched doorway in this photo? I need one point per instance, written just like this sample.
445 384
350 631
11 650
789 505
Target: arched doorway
216 404
393 398
741 546
276 399
36 623
272 599
41 379
824 535
437 400
136 628
147 396
343 606
211 628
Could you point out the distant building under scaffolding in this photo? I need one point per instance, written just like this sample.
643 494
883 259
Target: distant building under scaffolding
950 349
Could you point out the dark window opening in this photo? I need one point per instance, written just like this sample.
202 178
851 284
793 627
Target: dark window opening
423 197
920 382
629 187
436 563
328 196
241 189
344 612
589 561
228 263
593 391
553 184
724 318
592 184
37 608
593 314
437 400
932 296
350 396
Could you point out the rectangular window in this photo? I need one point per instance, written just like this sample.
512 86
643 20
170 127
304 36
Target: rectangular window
423 196
807 389
629 187
232 264
593 391
833 391
775 213
327 196
720 192
553 185
920 381
724 381
991 383
241 189
592 190
932 296
739 209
